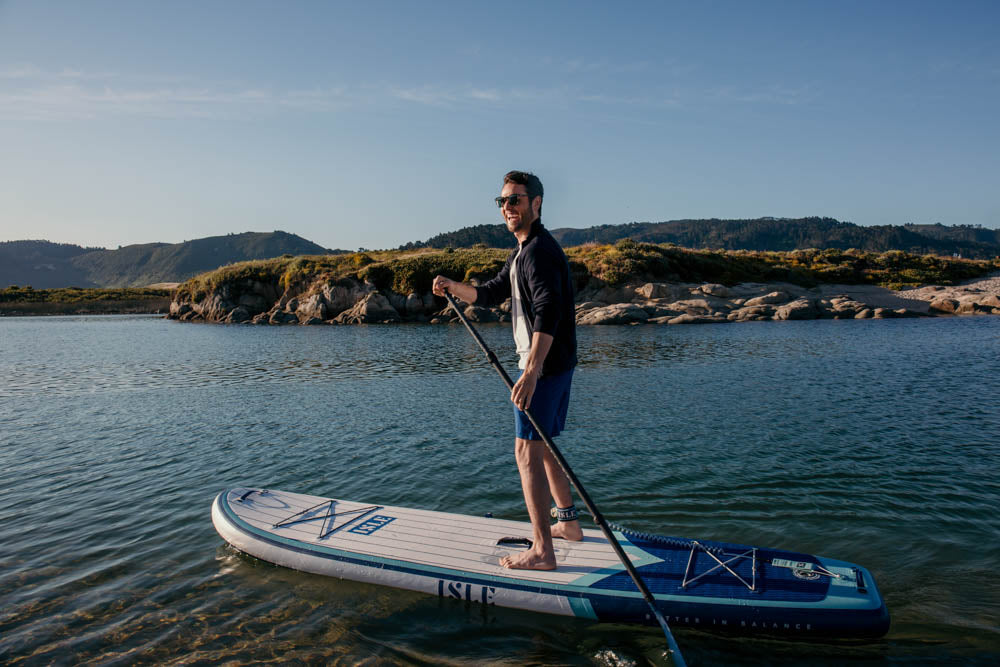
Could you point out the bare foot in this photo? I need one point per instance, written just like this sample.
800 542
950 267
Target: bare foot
567 530
529 560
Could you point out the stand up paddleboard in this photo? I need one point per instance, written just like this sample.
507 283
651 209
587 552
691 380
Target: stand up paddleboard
696 583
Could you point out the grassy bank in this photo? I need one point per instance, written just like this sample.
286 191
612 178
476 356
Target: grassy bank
16 300
610 264
626 261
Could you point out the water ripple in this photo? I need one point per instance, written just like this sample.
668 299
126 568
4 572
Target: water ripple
876 442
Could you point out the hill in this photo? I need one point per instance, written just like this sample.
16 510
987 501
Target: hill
967 233
761 234
43 264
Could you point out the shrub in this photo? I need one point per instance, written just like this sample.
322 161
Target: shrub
379 275
624 261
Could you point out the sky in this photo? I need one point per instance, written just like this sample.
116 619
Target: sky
369 125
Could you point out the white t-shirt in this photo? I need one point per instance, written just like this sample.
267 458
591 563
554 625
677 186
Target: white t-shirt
522 340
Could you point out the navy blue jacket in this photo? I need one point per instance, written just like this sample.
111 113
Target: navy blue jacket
546 288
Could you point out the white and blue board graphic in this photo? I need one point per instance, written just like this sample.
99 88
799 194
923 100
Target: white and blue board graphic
697 583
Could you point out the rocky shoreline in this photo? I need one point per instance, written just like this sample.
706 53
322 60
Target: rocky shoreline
349 301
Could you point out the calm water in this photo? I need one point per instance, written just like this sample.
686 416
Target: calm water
871 441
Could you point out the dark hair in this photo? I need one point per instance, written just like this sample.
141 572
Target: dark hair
530 182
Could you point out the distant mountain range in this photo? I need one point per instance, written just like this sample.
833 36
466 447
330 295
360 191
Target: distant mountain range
43 264
778 234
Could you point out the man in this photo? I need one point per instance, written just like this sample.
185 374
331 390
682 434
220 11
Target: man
537 279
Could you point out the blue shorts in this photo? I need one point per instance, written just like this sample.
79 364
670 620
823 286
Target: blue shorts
549 405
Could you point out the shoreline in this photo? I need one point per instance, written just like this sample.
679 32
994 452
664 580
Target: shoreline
355 302
50 309
18 301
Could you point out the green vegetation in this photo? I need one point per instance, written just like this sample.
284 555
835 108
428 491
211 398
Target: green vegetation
77 300
628 260
283 272
593 264
400 271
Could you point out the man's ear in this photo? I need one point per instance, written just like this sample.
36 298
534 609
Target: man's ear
536 206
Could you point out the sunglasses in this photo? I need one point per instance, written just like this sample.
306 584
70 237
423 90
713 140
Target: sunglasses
513 200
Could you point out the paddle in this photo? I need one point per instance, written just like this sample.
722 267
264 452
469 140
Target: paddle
675 650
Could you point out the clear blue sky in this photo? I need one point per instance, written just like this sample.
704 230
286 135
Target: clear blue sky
376 123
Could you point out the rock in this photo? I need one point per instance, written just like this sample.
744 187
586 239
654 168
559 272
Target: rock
662 291
506 306
863 314
398 301
692 306
237 315
580 312
752 313
254 303
800 309
371 309
989 300
652 290
447 313
846 308
282 317
313 307
178 310
772 297
977 304
618 313
313 321
414 304
589 305
715 289
944 305
342 295
480 314
216 306
654 309
614 294
696 319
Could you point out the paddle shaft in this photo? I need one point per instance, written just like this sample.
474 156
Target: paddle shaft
584 496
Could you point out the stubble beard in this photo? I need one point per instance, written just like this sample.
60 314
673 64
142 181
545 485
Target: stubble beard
521 224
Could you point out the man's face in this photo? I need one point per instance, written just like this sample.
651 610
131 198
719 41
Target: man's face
520 217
